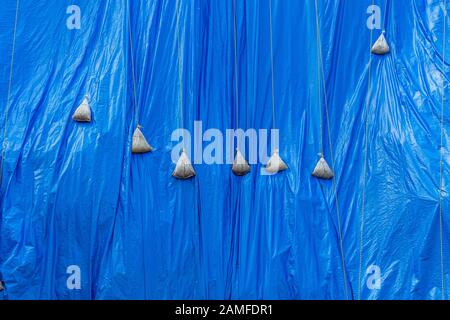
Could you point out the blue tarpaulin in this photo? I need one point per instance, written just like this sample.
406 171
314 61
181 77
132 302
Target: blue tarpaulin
74 195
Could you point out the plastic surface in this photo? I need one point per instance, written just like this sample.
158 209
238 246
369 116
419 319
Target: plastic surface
73 194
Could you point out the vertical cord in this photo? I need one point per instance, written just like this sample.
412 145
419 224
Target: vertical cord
136 107
442 156
386 11
319 92
236 72
236 75
180 68
321 68
271 64
361 231
8 100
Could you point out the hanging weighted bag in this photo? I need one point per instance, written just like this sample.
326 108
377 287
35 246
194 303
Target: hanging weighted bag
240 165
275 163
322 169
183 169
381 46
83 112
140 144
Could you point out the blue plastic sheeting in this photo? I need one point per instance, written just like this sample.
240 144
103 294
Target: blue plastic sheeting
73 194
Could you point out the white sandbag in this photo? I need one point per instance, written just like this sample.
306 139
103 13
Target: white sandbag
275 163
381 46
240 165
183 169
140 144
83 112
2 287
322 170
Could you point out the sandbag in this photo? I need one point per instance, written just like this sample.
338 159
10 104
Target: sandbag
183 169
140 144
240 165
322 170
83 112
2 287
381 46
275 163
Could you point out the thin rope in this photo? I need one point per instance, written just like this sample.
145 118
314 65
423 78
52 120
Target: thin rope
442 156
236 71
386 11
180 71
136 106
319 92
361 231
320 66
271 64
8 100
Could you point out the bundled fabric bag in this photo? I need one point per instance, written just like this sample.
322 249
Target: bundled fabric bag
381 46
275 163
240 165
183 169
140 144
83 112
322 169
